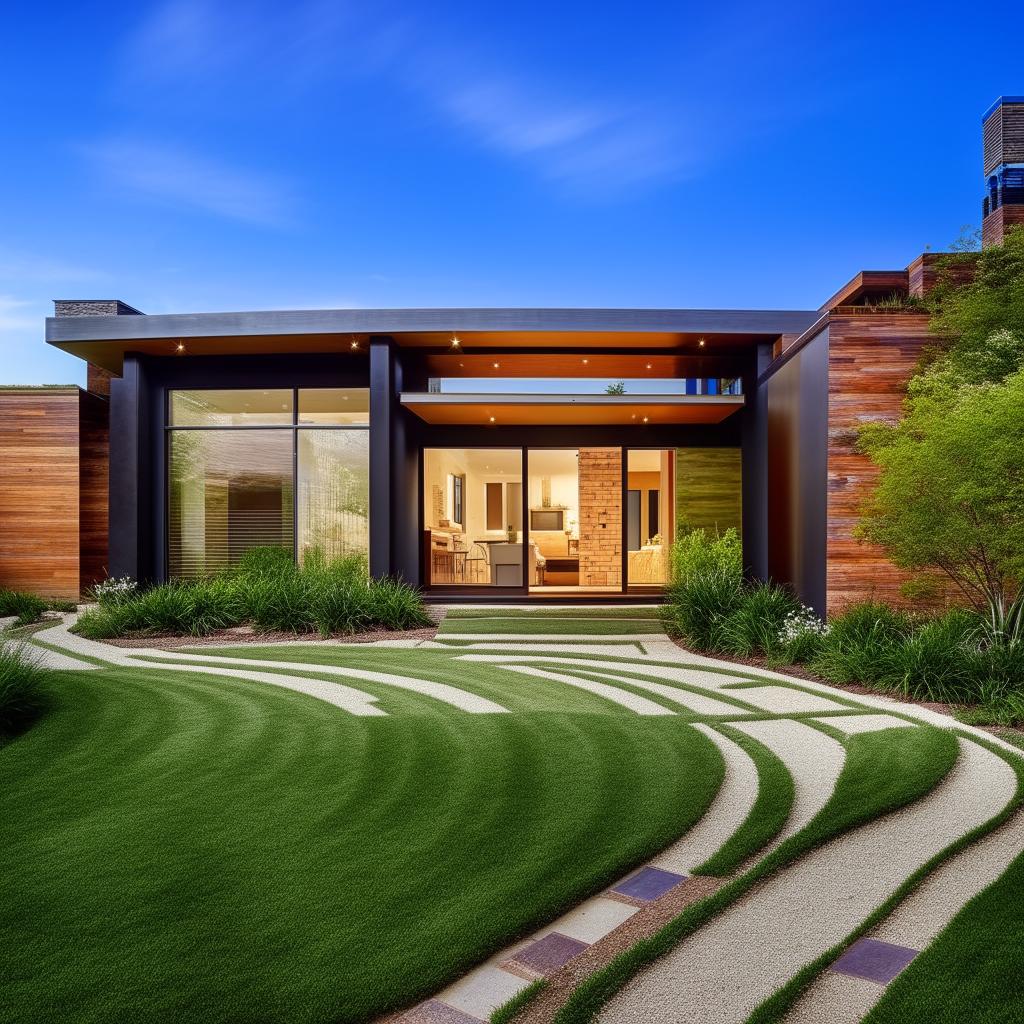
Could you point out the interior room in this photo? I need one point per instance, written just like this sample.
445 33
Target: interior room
473 518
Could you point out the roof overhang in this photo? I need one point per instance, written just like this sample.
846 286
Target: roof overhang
583 410
104 340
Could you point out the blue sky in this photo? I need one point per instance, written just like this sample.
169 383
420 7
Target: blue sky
192 155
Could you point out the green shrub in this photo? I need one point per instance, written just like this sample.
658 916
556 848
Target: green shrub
268 591
706 587
21 695
862 644
755 626
27 607
937 661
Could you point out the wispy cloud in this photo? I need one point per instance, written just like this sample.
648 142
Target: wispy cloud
175 175
17 314
606 144
599 147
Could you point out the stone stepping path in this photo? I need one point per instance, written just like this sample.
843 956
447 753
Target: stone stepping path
727 968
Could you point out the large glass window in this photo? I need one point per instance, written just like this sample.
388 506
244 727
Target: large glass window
334 492
248 407
336 406
245 471
230 490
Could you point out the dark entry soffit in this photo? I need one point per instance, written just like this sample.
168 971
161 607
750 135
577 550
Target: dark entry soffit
65 331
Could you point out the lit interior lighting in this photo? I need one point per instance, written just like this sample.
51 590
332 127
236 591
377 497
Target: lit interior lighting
645 419
701 343
648 366
496 365
455 342
586 362
180 347
492 419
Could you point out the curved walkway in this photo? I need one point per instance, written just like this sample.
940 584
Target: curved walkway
726 969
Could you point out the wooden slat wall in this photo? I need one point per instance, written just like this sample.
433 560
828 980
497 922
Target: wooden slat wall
39 492
871 358
94 495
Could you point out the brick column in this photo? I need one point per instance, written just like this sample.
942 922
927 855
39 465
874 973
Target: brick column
600 489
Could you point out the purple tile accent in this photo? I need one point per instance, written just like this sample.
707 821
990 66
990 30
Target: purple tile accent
433 1011
548 954
648 884
874 960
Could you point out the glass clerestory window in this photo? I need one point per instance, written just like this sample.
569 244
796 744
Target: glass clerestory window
280 467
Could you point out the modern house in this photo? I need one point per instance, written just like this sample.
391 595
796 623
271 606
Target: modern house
484 453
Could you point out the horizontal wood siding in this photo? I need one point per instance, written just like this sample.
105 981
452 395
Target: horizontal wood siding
39 492
871 359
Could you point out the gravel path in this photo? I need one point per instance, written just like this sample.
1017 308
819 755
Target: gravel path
340 695
916 922
724 971
814 760
728 811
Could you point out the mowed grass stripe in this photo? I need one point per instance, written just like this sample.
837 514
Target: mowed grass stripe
511 690
208 824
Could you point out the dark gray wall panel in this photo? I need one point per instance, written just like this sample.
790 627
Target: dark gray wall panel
797 484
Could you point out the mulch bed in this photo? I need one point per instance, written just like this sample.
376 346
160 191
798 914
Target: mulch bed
856 689
246 636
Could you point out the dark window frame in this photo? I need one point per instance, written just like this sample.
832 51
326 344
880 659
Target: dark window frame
294 427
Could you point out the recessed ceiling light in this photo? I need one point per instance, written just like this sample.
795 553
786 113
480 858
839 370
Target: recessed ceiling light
648 366
586 362
645 419
455 341
701 343
180 347
355 344
496 365
492 419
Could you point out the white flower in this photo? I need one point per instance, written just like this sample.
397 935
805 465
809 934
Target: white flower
115 589
800 623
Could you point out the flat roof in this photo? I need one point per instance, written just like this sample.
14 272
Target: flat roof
401 321
104 340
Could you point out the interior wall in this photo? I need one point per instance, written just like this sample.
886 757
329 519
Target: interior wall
709 489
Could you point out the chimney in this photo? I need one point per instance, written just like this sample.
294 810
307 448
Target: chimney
97 379
1003 133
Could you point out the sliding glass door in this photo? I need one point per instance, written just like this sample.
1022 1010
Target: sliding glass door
473 517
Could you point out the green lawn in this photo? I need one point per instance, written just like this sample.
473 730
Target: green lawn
194 848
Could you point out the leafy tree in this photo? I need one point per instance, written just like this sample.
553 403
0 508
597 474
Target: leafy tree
618 388
981 324
951 493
